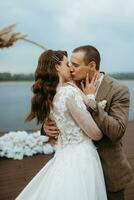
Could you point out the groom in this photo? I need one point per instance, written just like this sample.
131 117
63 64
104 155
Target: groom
112 120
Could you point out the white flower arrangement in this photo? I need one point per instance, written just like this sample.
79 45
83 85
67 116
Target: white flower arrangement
102 103
18 144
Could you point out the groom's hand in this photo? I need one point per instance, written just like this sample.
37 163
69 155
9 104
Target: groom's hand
50 128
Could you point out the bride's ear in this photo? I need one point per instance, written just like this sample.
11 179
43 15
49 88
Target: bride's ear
57 67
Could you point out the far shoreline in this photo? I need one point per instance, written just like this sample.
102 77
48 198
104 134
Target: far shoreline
11 81
18 77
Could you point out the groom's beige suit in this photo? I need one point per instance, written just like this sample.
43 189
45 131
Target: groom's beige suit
113 121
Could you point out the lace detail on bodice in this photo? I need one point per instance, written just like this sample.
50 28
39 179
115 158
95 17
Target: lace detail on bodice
70 132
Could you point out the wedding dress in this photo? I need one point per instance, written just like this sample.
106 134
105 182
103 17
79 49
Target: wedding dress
75 172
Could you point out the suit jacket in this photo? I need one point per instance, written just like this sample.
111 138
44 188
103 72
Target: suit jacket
113 121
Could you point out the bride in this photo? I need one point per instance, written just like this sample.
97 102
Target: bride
75 172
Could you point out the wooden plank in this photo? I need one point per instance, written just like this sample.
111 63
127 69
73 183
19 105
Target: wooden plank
15 174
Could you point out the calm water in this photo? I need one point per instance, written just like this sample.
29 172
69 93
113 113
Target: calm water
15 103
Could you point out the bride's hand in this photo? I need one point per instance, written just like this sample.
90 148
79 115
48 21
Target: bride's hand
90 87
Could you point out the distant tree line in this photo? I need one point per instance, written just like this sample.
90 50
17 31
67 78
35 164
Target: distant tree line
122 76
16 77
6 76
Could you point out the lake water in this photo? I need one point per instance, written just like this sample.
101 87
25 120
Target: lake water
15 100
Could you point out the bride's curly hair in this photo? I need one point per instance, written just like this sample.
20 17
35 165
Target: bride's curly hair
44 88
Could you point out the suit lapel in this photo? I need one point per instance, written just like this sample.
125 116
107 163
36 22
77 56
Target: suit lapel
104 89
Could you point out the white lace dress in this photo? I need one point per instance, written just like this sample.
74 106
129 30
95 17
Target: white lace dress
75 172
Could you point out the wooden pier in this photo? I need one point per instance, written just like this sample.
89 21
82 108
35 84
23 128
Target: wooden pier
15 174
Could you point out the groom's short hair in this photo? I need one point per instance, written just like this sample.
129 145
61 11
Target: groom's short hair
91 54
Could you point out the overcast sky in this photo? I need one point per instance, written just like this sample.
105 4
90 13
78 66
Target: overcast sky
58 24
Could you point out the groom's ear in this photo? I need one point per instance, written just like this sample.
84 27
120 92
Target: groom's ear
92 65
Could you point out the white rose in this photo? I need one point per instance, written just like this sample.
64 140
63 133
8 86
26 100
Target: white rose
103 103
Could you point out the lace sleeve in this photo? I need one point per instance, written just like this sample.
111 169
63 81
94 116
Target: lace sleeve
82 117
